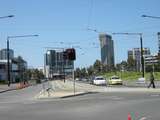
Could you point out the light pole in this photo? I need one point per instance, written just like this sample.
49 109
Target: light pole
1 17
148 16
141 43
153 17
9 16
8 54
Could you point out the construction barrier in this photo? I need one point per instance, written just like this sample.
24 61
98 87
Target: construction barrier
22 85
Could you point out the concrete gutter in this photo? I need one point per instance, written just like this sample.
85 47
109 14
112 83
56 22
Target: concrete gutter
78 94
7 90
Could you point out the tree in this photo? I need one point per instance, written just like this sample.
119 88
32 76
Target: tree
105 68
131 64
78 73
28 74
34 74
90 70
97 66
122 66
83 72
21 68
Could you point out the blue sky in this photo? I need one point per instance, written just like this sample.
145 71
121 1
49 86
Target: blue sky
67 20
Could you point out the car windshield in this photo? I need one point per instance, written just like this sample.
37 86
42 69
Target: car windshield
115 78
99 78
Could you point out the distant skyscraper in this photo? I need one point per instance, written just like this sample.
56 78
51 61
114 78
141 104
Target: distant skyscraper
3 54
135 54
107 49
158 42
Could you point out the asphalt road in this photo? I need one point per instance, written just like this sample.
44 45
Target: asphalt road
20 105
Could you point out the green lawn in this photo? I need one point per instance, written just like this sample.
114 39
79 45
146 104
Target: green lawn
131 75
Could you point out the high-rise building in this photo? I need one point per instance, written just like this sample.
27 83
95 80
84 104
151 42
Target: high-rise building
135 54
107 49
3 54
158 42
56 65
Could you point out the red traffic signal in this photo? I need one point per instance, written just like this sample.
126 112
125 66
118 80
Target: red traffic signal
71 54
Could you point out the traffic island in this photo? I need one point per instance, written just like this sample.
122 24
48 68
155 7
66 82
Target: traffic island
59 89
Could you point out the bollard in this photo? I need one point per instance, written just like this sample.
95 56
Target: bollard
129 117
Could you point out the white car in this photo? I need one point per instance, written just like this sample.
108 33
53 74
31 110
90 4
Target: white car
99 80
141 81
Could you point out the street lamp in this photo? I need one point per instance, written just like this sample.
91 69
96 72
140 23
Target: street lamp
141 43
8 54
148 16
1 17
9 16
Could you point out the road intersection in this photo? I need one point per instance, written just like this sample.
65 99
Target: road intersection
112 104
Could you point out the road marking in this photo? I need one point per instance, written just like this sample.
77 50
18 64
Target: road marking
143 118
155 95
115 98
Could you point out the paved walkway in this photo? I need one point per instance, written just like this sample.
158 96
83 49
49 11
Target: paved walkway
4 88
13 86
142 85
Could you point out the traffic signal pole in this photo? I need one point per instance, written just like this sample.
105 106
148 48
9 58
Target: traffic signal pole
74 85
70 54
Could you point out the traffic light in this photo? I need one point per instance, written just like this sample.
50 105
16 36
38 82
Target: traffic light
71 54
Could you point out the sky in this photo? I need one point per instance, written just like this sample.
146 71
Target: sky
64 23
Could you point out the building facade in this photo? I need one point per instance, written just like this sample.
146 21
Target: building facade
150 59
17 67
158 42
55 65
135 54
3 54
107 49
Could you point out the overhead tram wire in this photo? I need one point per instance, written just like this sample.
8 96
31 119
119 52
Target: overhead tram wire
90 11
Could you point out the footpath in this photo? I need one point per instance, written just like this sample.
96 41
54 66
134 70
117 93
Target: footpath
61 89
13 86
5 87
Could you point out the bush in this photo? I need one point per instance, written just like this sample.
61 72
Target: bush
3 81
38 81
